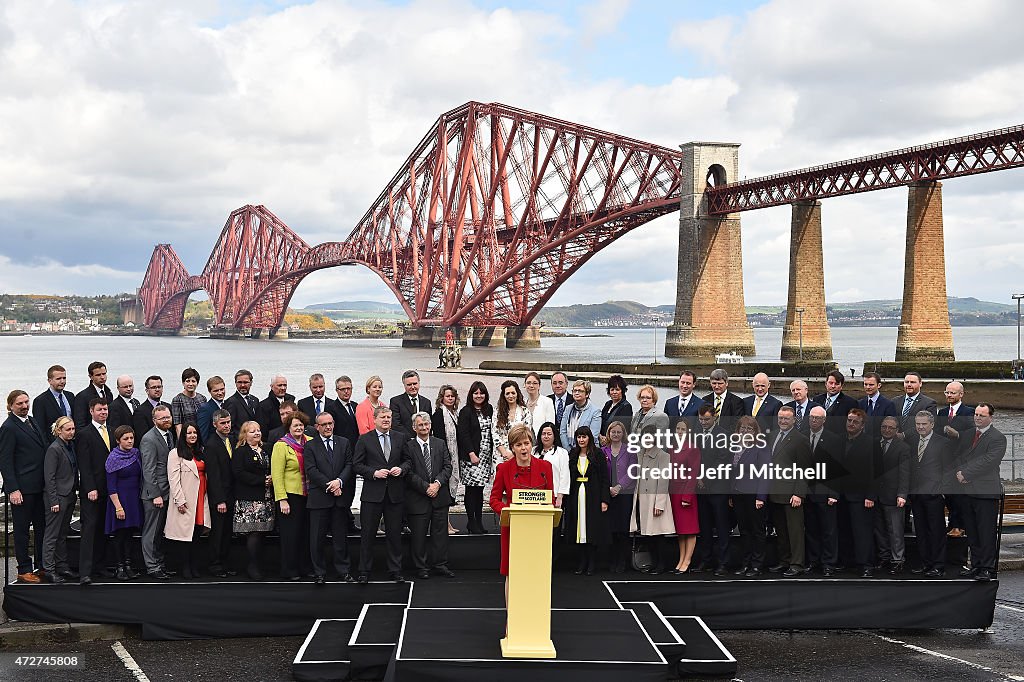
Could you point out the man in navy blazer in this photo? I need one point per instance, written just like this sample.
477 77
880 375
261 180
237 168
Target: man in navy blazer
380 460
951 421
405 405
686 404
309 404
54 402
762 406
727 405
836 403
801 405
97 388
976 467
911 402
22 451
875 405
204 416
122 407
328 467
92 451
344 412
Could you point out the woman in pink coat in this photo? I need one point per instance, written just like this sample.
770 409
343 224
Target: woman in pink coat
189 511
682 493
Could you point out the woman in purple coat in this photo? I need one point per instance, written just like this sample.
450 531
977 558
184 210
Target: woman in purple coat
750 496
124 506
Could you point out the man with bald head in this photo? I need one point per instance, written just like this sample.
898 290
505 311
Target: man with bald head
122 408
950 421
821 513
762 406
268 414
801 404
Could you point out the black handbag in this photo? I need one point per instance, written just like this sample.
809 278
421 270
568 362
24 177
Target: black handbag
641 555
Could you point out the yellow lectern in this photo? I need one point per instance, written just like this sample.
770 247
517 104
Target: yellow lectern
530 518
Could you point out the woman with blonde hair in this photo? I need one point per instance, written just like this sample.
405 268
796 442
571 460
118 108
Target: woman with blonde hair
364 411
60 479
648 413
254 494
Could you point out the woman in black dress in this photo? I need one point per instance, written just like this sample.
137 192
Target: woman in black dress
254 505
617 408
586 504
476 452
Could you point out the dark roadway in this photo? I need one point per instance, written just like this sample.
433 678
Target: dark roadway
768 655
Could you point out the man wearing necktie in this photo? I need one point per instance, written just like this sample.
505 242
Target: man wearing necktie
122 408
93 446
727 405
155 447
875 405
929 479
956 418
204 415
427 497
976 467
53 402
344 412
22 451
220 489
801 404
406 404
911 402
893 486
559 397
858 488
380 460
316 403
97 388
242 405
328 467
836 403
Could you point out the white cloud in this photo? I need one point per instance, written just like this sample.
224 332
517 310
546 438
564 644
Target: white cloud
601 18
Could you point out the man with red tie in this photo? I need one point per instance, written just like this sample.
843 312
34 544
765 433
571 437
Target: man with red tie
956 418
976 465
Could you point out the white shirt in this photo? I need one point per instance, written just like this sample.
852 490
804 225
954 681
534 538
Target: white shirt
559 459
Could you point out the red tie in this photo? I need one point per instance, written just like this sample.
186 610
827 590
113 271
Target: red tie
977 437
950 414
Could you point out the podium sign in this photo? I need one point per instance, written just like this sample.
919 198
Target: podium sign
530 519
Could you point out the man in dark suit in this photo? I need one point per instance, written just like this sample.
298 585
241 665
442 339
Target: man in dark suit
313 405
122 408
142 420
204 415
911 402
979 454
328 466
560 398
154 447
858 490
685 404
801 405
220 488
727 405
951 421
344 412
97 388
931 457
243 406
94 442
875 405
379 460
892 484
268 413
821 508
836 403
405 405
762 406
790 449
53 402
22 450
427 497
712 549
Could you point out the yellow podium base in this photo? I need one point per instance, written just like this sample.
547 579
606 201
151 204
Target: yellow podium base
535 650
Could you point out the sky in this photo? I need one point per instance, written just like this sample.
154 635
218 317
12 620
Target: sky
126 124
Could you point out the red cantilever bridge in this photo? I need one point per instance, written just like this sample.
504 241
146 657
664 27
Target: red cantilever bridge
496 207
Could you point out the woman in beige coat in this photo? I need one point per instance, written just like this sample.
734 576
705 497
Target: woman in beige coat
189 512
652 515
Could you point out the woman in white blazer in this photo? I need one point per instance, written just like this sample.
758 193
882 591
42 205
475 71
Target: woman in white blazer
188 516
541 407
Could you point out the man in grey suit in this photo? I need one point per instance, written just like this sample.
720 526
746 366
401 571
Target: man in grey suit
911 402
328 467
978 457
155 447
427 497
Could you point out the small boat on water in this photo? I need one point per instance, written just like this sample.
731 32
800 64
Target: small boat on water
730 358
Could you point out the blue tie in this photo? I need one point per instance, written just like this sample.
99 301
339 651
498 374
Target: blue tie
559 413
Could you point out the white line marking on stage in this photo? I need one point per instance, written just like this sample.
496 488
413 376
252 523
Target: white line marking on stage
937 654
129 662
1011 608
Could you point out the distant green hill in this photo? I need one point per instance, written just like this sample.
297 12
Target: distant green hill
358 306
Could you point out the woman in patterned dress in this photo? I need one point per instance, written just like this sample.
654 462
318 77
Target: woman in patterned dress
512 410
254 493
476 454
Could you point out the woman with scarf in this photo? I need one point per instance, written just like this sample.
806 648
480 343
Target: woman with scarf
444 424
124 503
288 472
188 515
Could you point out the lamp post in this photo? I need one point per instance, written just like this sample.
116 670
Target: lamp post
800 312
1017 298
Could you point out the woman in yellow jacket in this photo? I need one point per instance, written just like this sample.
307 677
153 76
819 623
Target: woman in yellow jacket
288 472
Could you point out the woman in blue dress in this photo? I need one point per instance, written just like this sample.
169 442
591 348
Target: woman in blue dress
124 505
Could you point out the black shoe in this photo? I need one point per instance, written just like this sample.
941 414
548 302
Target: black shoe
655 570
218 572
295 578
792 572
187 574
578 571
867 573
363 579
347 578
720 572
920 570
396 577
231 572
356 528
254 574
699 568
896 568
406 530
444 572
54 579
967 572
742 571
935 573
132 573
983 575
155 575
70 575
320 580
85 580
777 568
108 572
827 572
423 574
169 572
753 573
